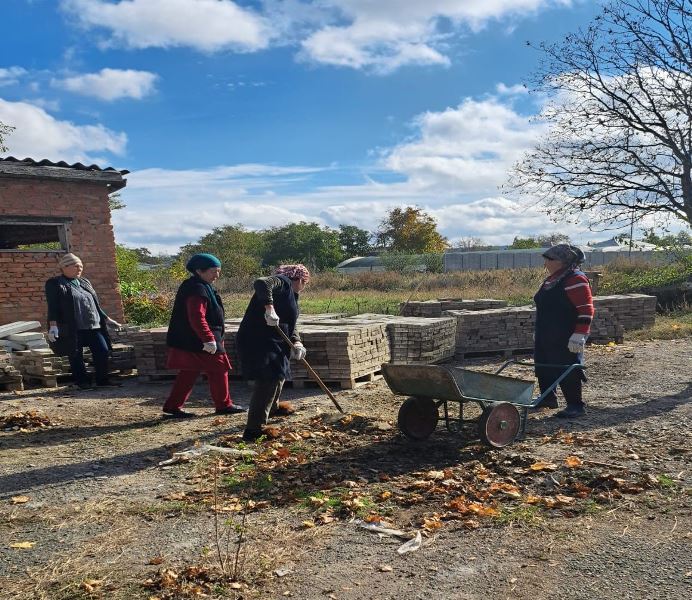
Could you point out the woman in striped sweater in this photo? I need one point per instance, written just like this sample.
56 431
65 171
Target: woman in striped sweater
564 311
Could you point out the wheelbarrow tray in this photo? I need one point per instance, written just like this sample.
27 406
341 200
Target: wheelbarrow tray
457 384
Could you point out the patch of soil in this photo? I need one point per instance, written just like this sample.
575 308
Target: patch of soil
592 508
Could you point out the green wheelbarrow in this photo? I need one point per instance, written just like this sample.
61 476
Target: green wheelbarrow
504 401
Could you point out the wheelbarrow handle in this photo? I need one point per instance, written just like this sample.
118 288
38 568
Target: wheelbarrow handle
315 376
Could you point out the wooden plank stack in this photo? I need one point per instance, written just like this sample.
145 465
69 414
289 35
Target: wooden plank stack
632 311
494 330
343 351
437 308
10 378
416 340
45 367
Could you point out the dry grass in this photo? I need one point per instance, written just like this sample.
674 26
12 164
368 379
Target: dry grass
671 326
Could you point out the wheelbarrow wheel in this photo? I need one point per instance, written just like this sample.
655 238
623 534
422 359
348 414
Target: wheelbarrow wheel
417 418
499 424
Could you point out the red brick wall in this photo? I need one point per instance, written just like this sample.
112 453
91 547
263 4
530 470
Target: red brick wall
23 274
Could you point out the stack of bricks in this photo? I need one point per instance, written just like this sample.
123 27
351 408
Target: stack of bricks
494 330
437 308
343 351
632 311
416 340
606 327
149 348
46 367
10 377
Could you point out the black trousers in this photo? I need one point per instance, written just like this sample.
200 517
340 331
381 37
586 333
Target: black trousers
571 385
99 356
265 397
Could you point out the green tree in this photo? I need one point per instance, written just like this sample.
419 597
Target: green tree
525 243
540 241
239 250
354 241
115 202
681 239
411 230
317 247
5 130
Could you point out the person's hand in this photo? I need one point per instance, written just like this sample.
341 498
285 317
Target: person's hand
576 343
53 333
270 316
113 323
209 347
298 352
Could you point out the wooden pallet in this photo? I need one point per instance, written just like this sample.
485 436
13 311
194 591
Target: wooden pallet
11 384
54 381
502 353
344 384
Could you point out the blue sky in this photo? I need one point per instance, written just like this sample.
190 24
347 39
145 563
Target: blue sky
273 111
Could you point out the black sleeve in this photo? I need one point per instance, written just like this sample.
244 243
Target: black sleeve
265 288
53 300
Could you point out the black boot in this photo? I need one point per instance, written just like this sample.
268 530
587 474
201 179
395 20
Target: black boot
573 411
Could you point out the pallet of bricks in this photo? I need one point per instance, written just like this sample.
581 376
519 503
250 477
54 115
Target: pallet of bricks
10 378
437 308
341 351
46 369
416 340
510 330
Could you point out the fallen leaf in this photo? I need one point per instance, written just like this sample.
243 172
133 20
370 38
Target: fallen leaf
157 560
91 585
384 495
308 524
23 545
385 568
541 465
573 461
20 499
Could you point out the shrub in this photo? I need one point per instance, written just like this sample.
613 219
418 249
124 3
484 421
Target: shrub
147 309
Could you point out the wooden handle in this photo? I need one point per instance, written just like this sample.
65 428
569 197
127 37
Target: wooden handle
314 375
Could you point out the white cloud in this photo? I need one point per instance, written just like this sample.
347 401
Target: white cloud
511 90
39 135
470 147
110 84
451 167
11 75
385 35
206 25
380 36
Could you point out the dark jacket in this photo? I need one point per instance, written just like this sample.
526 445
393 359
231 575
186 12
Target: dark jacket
61 309
180 333
556 318
264 355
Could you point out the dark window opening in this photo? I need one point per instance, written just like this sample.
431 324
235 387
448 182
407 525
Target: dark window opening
33 234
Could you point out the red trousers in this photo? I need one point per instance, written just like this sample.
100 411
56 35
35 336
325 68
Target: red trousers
184 382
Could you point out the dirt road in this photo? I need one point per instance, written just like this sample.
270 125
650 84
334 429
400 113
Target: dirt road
99 518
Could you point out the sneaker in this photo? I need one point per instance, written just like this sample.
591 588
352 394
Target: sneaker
177 413
85 385
233 409
571 412
250 435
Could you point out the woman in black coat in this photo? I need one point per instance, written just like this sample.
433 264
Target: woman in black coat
75 320
264 354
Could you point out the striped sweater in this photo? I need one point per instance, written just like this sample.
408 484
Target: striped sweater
578 290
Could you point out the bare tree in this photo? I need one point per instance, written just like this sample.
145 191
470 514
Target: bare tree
618 140
4 131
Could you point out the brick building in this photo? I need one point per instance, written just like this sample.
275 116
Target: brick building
47 209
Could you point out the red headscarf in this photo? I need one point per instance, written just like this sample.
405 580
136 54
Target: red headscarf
294 272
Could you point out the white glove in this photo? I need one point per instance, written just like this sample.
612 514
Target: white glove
113 323
576 343
209 347
270 317
53 333
298 352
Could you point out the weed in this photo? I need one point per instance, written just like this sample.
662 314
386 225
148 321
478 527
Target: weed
666 482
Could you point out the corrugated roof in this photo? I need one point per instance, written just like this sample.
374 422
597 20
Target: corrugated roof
49 163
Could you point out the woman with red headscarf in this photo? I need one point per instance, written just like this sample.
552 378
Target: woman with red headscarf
264 355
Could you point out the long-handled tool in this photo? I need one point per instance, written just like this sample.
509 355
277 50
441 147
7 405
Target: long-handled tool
315 376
